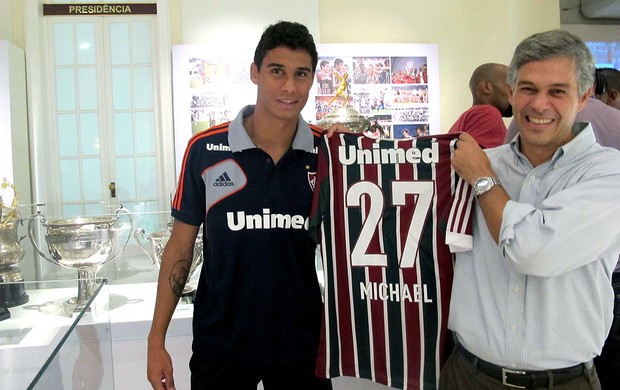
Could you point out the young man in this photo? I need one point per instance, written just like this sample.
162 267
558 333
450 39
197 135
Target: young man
257 309
532 303
491 103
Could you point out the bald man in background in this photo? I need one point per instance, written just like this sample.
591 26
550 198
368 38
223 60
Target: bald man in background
490 94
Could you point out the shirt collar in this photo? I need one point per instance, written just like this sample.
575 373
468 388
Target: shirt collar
238 138
582 140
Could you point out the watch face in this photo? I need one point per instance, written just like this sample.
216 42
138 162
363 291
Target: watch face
483 183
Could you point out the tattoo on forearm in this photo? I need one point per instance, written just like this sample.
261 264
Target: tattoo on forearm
178 276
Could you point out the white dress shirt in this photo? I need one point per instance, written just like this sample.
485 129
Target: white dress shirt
542 298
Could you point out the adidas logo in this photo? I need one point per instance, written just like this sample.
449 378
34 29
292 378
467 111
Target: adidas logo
223 181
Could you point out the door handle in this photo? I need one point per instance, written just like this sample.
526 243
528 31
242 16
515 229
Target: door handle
112 188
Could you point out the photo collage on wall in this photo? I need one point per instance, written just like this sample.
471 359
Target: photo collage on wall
390 91
395 91
394 85
215 91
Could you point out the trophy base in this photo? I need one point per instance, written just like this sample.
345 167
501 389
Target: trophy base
4 313
13 294
74 305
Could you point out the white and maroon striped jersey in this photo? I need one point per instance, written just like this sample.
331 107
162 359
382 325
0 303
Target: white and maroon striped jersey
388 214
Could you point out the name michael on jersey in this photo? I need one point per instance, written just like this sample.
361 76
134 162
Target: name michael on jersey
349 155
394 292
239 220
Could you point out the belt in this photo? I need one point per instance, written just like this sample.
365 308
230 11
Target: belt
521 378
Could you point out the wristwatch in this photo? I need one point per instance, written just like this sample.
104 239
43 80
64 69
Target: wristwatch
484 184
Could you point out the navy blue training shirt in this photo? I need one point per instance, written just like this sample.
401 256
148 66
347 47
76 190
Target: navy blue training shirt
258 300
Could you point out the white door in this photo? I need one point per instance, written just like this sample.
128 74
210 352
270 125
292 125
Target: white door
103 138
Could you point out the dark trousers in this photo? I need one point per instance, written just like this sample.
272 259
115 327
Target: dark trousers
212 376
459 374
608 364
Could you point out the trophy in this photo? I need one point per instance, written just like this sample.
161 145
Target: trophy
155 252
347 116
81 243
12 291
344 114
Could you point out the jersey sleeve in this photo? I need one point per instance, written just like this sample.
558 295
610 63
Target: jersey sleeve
459 233
189 200
321 192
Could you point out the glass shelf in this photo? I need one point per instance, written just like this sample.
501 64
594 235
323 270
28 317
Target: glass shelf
47 344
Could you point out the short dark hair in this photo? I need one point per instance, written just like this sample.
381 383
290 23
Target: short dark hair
292 35
612 78
600 82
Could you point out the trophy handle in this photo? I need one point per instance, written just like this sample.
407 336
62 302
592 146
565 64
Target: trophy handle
139 233
122 209
20 239
31 235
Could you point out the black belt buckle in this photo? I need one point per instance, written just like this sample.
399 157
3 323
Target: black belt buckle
505 373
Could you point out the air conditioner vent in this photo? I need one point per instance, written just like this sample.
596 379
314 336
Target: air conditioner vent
601 9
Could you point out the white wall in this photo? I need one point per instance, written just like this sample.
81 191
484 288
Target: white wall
240 23
594 32
468 32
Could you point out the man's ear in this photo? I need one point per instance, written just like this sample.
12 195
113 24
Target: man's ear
254 73
612 96
485 87
583 99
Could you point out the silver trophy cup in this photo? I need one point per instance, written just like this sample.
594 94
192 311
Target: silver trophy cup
155 250
81 243
12 290
347 116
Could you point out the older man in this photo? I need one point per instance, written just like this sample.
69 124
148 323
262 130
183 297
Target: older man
532 303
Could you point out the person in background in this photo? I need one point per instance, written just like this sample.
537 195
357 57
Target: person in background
610 93
489 92
532 304
607 87
257 310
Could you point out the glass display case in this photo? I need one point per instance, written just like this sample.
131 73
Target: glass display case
46 344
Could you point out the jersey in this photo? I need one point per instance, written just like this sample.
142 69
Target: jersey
388 214
258 300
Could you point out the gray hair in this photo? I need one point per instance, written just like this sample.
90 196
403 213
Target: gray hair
550 44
